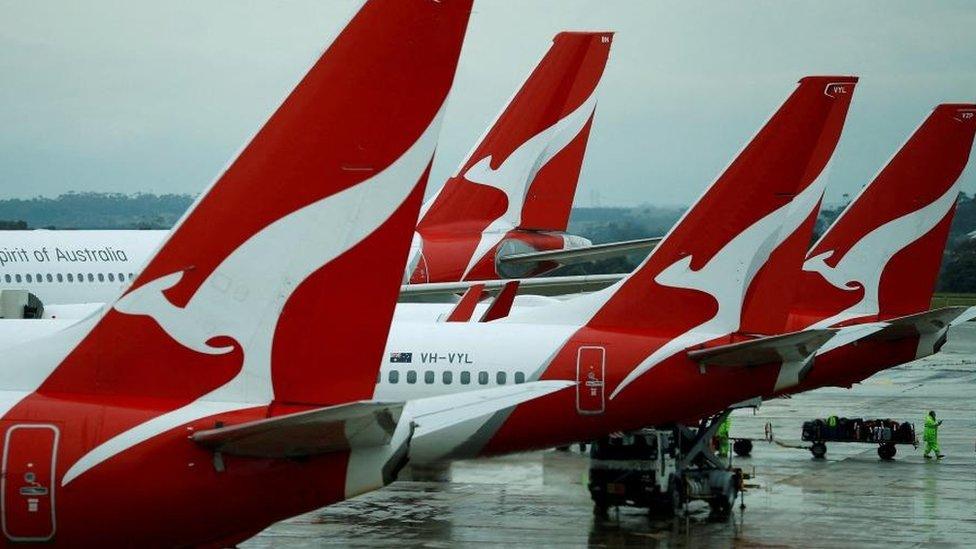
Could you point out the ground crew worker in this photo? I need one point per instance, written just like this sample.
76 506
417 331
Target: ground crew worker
831 426
723 436
931 436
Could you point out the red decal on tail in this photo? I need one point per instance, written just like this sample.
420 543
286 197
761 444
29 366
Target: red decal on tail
768 303
704 261
259 294
881 257
523 173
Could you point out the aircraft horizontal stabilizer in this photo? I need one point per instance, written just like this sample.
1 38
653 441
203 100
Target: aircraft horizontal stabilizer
585 254
850 334
792 347
434 414
361 424
551 286
928 322
965 316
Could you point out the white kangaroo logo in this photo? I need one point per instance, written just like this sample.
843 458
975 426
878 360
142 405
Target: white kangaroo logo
243 297
727 275
518 171
864 263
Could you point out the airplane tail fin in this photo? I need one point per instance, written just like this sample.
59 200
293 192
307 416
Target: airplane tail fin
881 257
279 284
524 170
707 272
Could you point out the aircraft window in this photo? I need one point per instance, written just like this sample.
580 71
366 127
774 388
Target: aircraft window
130 276
447 377
519 377
28 277
111 277
71 277
121 277
394 376
91 277
411 376
101 277
6 278
500 378
17 277
50 278
81 277
60 278
483 378
428 377
465 377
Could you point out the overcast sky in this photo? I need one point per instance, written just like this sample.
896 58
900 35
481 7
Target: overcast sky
135 96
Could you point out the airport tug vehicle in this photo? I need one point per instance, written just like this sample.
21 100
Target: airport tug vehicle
886 433
663 470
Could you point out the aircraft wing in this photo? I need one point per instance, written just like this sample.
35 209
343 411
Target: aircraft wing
792 347
584 254
361 424
550 286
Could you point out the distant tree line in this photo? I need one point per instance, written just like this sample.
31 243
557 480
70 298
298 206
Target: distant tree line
13 225
98 210
611 224
959 262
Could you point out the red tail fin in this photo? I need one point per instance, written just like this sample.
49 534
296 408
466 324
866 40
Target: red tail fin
524 171
698 276
279 284
880 258
771 294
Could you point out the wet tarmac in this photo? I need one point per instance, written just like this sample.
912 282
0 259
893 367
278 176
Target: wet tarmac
850 499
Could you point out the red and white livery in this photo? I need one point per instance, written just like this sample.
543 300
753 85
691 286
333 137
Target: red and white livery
254 334
514 192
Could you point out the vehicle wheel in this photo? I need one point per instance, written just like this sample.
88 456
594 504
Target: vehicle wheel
661 506
819 450
742 448
887 451
600 508
721 509
721 504
674 490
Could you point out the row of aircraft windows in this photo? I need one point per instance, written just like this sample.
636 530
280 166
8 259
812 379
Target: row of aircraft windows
69 277
447 377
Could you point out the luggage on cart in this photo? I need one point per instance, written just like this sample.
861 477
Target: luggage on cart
884 432
812 430
843 428
905 433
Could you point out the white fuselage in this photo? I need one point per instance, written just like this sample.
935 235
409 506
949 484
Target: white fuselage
422 359
68 267
90 266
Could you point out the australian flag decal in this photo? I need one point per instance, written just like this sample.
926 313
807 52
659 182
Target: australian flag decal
401 357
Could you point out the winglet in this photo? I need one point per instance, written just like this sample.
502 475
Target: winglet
465 307
502 304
